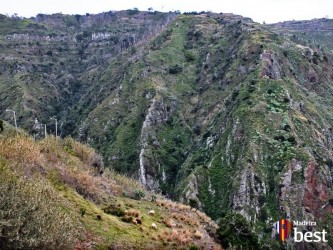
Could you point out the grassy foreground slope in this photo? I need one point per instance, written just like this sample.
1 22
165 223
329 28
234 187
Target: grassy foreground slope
53 196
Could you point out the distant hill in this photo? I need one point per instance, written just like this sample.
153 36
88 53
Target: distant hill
317 32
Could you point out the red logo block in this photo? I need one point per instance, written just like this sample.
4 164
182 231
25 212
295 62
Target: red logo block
283 228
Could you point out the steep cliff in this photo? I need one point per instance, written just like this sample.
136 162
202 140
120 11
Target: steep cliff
225 115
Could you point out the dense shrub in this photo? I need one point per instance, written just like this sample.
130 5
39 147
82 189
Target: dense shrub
139 194
235 232
114 210
234 95
175 69
85 153
197 129
133 11
1 126
251 88
189 56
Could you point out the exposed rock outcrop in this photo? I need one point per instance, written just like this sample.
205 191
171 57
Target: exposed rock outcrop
247 198
157 114
270 65
318 182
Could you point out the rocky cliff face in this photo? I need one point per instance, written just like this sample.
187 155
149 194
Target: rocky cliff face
211 109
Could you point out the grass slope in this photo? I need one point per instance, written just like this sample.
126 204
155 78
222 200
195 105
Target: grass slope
52 196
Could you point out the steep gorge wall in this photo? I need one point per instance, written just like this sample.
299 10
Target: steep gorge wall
213 109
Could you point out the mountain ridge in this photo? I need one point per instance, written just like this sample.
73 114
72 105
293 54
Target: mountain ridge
214 110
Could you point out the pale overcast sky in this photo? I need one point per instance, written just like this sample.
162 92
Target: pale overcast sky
259 10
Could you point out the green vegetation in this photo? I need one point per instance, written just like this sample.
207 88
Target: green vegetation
221 113
54 198
1 126
235 232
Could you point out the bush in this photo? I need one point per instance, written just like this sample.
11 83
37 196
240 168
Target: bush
127 219
251 88
49 53
234 95
139 194
279 138
86 154
292 140
1 125
287 127
254 82
175 69
286 100
133 11
114 210
153 198
193 247
197 129
235 232
189 56
82 211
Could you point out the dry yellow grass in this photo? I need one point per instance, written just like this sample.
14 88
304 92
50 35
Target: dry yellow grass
198 235
71 174
21 148
133 212
33 215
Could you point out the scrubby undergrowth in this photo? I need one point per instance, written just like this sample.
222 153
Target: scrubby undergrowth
55 194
